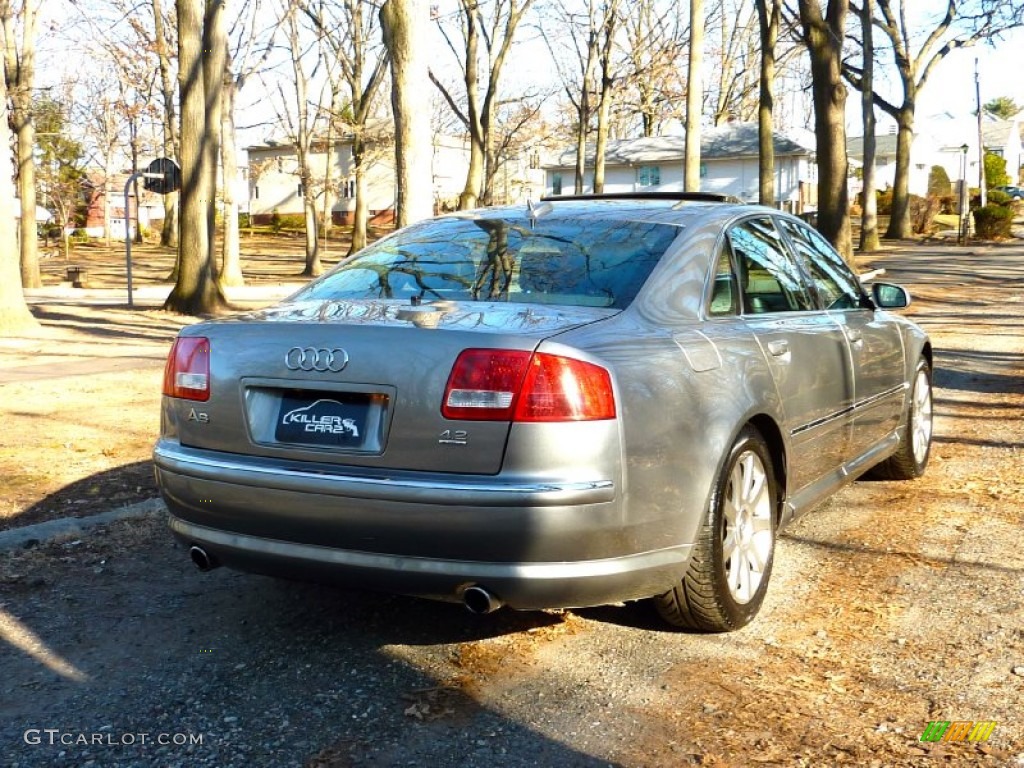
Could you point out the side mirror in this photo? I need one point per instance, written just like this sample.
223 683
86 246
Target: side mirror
889 296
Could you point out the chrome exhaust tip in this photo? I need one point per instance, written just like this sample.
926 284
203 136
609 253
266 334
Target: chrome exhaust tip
203 561
479 601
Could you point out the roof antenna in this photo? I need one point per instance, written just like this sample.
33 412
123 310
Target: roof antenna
538 210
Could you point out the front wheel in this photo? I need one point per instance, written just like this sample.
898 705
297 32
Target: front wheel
727 578
911 457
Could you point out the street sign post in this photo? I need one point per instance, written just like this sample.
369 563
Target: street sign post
161 176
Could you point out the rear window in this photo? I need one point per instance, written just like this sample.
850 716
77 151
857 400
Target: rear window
579 262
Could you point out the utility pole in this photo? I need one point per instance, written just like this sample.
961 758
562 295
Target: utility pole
981 138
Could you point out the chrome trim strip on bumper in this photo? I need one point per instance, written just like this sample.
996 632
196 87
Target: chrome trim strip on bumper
399 486
421 566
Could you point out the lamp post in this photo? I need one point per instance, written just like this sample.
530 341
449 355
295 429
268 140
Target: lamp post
963 219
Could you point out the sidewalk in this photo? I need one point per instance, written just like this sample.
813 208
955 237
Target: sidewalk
87 331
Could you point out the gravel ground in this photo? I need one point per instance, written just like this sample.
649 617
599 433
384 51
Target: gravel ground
892 605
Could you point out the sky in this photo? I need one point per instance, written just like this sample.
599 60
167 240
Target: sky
951 87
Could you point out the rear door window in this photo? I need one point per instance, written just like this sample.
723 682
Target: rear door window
769 278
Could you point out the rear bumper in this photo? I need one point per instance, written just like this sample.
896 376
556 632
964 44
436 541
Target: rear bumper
524 586
533 545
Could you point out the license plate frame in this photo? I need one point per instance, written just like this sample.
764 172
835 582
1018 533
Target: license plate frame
324 420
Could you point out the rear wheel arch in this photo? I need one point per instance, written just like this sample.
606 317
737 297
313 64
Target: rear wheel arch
772 435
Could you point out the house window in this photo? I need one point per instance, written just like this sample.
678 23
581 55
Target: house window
348 188
256 191
649 175
556 184
301 190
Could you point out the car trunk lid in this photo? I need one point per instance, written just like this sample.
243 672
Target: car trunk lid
359 382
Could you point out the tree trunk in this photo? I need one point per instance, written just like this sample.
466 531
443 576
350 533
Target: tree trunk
231 264
361 212
609 29
313 266
215 47
899 217
25 132
823 36
694 94
14 315
769 12
20 80
404 24
869 201
169 232
196 291
474 176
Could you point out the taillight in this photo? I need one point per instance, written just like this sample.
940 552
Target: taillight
484 383
512 385
187 373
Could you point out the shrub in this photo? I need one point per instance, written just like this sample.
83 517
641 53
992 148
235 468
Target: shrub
922 213
279 221
885 201
995 171
998 197
244 221
939 184
993 221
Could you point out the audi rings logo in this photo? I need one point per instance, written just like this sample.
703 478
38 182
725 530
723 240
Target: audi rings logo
316 359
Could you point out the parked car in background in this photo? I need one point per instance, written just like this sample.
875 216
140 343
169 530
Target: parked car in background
580 402
1014 192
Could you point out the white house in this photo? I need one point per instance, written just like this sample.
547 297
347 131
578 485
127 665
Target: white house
274 185
1003 138
948 141
729 165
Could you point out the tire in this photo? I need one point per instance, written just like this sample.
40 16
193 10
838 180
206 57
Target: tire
911 457
726 580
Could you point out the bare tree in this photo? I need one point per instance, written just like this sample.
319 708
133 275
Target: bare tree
162 44
404 24
962 24
20 72
14 314
769 14
350 34
655 39
196 290
248 49
496 34
608 30
577 76
694 98
105 125
869 203
734 77
302 126
823 34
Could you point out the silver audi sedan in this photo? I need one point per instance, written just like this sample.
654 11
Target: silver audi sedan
580 402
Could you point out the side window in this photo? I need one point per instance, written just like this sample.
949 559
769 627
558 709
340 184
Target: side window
723 289
769 279
649 175
837 286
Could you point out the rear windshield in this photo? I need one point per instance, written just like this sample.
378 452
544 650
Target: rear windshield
580 262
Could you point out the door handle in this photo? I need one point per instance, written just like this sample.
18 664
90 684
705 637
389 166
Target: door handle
778 348
854 335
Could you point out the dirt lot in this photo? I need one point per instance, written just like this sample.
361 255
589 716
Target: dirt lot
892 605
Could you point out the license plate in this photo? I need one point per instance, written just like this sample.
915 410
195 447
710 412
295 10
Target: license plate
327 419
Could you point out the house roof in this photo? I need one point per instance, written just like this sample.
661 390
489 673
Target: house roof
885 144
730 141
998 133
